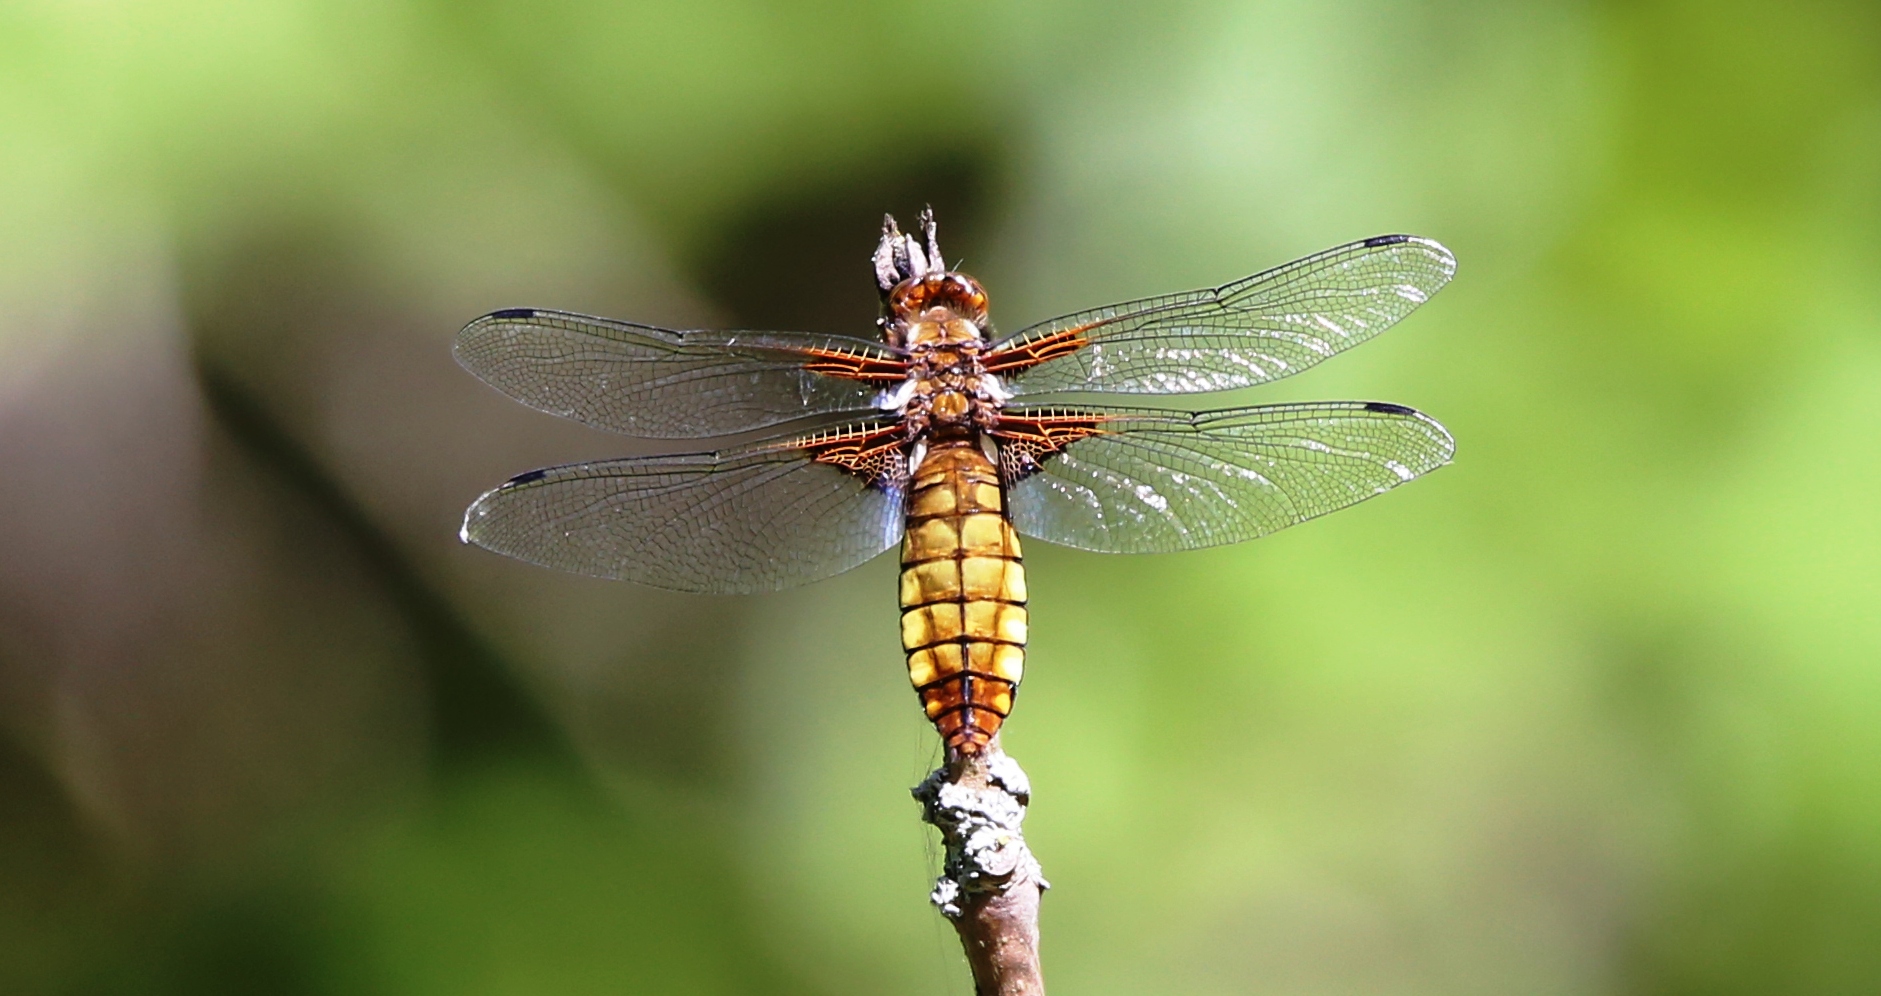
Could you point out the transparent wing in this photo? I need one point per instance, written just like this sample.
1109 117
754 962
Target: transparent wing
663 384
1144 481
1257 329
753 519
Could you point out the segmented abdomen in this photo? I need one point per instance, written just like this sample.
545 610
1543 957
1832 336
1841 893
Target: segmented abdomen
963 614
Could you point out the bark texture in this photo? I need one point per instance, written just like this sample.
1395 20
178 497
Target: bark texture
990 883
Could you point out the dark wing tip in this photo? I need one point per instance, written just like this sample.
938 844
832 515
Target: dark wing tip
479 509
478 325
1445 258
474 337
1387 408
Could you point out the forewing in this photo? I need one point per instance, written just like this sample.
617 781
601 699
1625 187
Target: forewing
753 519
1254 330
1146 481
664 384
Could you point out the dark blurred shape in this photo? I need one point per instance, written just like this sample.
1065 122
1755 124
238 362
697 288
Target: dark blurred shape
799 259
263 937
479 712
47 865
190 652
347 387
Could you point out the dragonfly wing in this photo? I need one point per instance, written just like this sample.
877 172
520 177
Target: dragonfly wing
1147 481
758 518
1254 330
664 384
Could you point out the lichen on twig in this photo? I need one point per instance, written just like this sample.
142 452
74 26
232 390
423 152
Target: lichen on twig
990 883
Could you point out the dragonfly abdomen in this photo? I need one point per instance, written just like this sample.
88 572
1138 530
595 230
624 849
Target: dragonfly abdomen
963 618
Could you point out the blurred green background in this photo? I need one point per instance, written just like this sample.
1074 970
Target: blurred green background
1593 711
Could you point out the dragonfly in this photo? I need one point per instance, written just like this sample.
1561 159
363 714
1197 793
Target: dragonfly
941 435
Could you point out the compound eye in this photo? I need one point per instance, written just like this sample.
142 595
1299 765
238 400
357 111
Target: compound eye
971 299
908 297
952 290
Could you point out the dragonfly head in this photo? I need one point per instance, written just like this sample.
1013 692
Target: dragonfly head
955 291
920 298
923 302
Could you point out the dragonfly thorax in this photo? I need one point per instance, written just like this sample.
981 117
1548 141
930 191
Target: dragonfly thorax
940 327
939 319
948 388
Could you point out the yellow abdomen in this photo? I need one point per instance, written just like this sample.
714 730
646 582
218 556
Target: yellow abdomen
962 595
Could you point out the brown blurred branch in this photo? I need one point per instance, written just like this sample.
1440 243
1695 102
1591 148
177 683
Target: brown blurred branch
990 883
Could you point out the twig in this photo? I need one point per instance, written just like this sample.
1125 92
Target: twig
990 883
